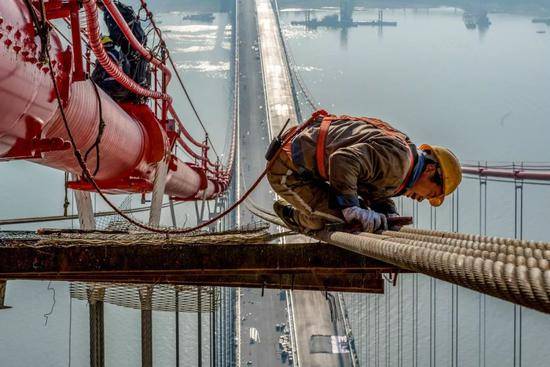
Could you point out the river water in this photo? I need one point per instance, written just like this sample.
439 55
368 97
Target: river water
484 94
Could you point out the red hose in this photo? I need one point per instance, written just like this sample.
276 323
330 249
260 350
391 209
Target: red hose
136 45
183 129
189 150
517 173
110 67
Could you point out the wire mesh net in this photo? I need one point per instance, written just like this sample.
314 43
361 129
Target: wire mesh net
159 297
116 222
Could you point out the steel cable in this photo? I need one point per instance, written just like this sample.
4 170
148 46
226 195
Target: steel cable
529 287
479 238
476 247
525 285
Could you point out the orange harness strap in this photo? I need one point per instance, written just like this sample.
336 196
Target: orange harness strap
383 126
320 148
287 147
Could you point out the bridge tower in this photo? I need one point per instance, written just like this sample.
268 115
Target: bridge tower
346 11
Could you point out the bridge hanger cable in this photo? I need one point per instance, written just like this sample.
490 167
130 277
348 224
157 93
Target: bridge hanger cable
299 79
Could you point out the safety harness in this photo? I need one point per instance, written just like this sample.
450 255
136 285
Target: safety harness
320 149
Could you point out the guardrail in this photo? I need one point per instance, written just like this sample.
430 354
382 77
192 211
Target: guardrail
349 333
292 327
235 169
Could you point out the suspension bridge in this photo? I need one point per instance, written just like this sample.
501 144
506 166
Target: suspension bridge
81 119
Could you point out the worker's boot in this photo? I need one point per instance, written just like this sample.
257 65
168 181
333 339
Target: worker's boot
285 211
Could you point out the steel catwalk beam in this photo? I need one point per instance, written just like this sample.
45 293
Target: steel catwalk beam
516 279
299 266
109 258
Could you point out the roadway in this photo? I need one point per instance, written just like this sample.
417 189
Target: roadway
262 313
318 314
312 311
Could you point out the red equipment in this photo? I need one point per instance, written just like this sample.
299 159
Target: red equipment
134 139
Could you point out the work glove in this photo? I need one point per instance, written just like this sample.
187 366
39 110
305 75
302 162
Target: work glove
370 220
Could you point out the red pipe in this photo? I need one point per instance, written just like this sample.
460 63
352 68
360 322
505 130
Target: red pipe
125 148
519 174
130 146
25 86
123 145
183 129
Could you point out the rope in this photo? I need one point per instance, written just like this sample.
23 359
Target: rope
100 130
48 314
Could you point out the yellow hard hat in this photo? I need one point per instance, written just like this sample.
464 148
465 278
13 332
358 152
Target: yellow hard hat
106 39
451 172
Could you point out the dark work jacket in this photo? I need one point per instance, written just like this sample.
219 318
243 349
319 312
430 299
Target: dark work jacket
361 160
116 34
108 83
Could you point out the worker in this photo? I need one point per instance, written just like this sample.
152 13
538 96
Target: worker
139 67
346 170
104 80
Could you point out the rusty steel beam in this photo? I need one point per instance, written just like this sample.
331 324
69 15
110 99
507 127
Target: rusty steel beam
139 259
308 266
